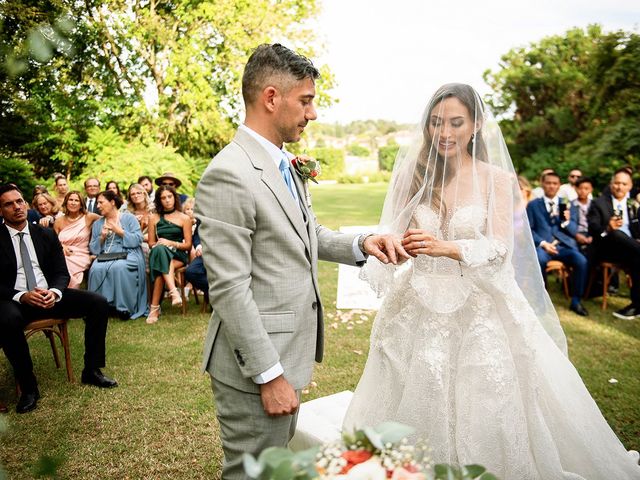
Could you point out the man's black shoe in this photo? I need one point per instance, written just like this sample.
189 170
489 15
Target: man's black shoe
96 378
28 401
628 313
579 309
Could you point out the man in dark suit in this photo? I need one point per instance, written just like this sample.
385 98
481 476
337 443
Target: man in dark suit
613 224
554 226
33 285
92 189
196 274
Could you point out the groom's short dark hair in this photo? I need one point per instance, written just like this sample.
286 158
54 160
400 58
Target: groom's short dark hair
269 61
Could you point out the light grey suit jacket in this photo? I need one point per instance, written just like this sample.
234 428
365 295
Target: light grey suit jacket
261 251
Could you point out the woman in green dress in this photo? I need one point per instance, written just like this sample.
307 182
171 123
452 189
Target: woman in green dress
170 243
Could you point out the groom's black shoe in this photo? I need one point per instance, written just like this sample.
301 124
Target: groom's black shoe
579 309
95 377
28 401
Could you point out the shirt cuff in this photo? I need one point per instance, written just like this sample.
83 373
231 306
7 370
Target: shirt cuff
565 223
357 253
18 296
270 374
57 292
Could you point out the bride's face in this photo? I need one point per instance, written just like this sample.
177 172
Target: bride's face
451 127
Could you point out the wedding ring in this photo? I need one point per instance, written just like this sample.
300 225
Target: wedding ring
423 244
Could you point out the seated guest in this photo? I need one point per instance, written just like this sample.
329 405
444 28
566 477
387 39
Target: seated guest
613 224
139 206
196 274
525 189
554 228
168 179
122 281
147 184
61 188
538 191
170 242
74 232
47 208
568 190
34 286
92 189
584 190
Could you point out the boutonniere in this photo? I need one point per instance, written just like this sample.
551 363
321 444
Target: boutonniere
632 206
307 167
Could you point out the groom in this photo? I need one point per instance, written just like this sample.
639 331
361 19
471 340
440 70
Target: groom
261 245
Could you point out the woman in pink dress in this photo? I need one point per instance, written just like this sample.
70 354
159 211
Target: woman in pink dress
74 232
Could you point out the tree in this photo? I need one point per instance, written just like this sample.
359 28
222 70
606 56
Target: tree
358 150
387 156
571 100
156 71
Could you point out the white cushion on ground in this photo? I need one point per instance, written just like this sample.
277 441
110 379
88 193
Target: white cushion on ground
320 420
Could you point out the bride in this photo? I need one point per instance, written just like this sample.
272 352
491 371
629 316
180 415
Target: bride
467 347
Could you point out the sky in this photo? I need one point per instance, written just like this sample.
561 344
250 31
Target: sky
389 56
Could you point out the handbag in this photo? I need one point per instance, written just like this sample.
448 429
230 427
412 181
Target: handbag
109 256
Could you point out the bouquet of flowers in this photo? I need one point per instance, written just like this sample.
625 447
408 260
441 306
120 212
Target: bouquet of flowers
377 453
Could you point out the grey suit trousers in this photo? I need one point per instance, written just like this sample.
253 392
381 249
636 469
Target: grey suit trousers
245 427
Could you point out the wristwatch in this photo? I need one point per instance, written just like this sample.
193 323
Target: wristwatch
361 240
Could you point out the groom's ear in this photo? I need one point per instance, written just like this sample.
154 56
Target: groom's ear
270 98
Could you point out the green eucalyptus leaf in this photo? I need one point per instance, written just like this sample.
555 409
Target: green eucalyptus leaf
274 456
393 432
474 470
252 467
374 437
487 476
284 471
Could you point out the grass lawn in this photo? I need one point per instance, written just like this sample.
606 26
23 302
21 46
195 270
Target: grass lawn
160 422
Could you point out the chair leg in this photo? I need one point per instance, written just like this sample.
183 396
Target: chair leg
565 283
606 278
54 350
64 337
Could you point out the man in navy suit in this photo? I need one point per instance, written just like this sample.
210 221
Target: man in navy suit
33 286
554 226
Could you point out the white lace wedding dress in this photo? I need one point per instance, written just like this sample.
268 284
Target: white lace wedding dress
457 353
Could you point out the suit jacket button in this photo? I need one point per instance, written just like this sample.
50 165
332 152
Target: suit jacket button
314 305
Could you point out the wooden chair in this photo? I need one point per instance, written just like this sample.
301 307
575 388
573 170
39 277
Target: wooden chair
54 327
181 283
556 266
608 270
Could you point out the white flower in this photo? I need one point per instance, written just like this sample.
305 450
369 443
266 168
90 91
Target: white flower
369 470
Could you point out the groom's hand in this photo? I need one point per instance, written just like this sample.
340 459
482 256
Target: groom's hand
386 248
278 397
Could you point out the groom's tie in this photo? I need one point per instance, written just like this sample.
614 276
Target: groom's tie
286 176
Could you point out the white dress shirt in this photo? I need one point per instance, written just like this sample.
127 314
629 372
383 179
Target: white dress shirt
21 279
622 205
276 155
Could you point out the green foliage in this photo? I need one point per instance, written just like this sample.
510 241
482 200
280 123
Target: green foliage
387 156
157 72
358 150
571 101
47 467
17 171
331 159
468 472
371 177
111 157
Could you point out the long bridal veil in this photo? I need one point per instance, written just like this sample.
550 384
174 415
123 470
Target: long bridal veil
433 169
471 353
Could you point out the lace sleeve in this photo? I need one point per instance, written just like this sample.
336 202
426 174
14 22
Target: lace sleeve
492 247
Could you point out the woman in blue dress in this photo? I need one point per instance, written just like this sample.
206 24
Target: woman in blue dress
123 281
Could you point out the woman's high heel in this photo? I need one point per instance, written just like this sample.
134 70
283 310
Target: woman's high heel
154 314
176 299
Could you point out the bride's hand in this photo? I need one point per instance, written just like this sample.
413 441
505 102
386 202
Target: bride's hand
417 241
